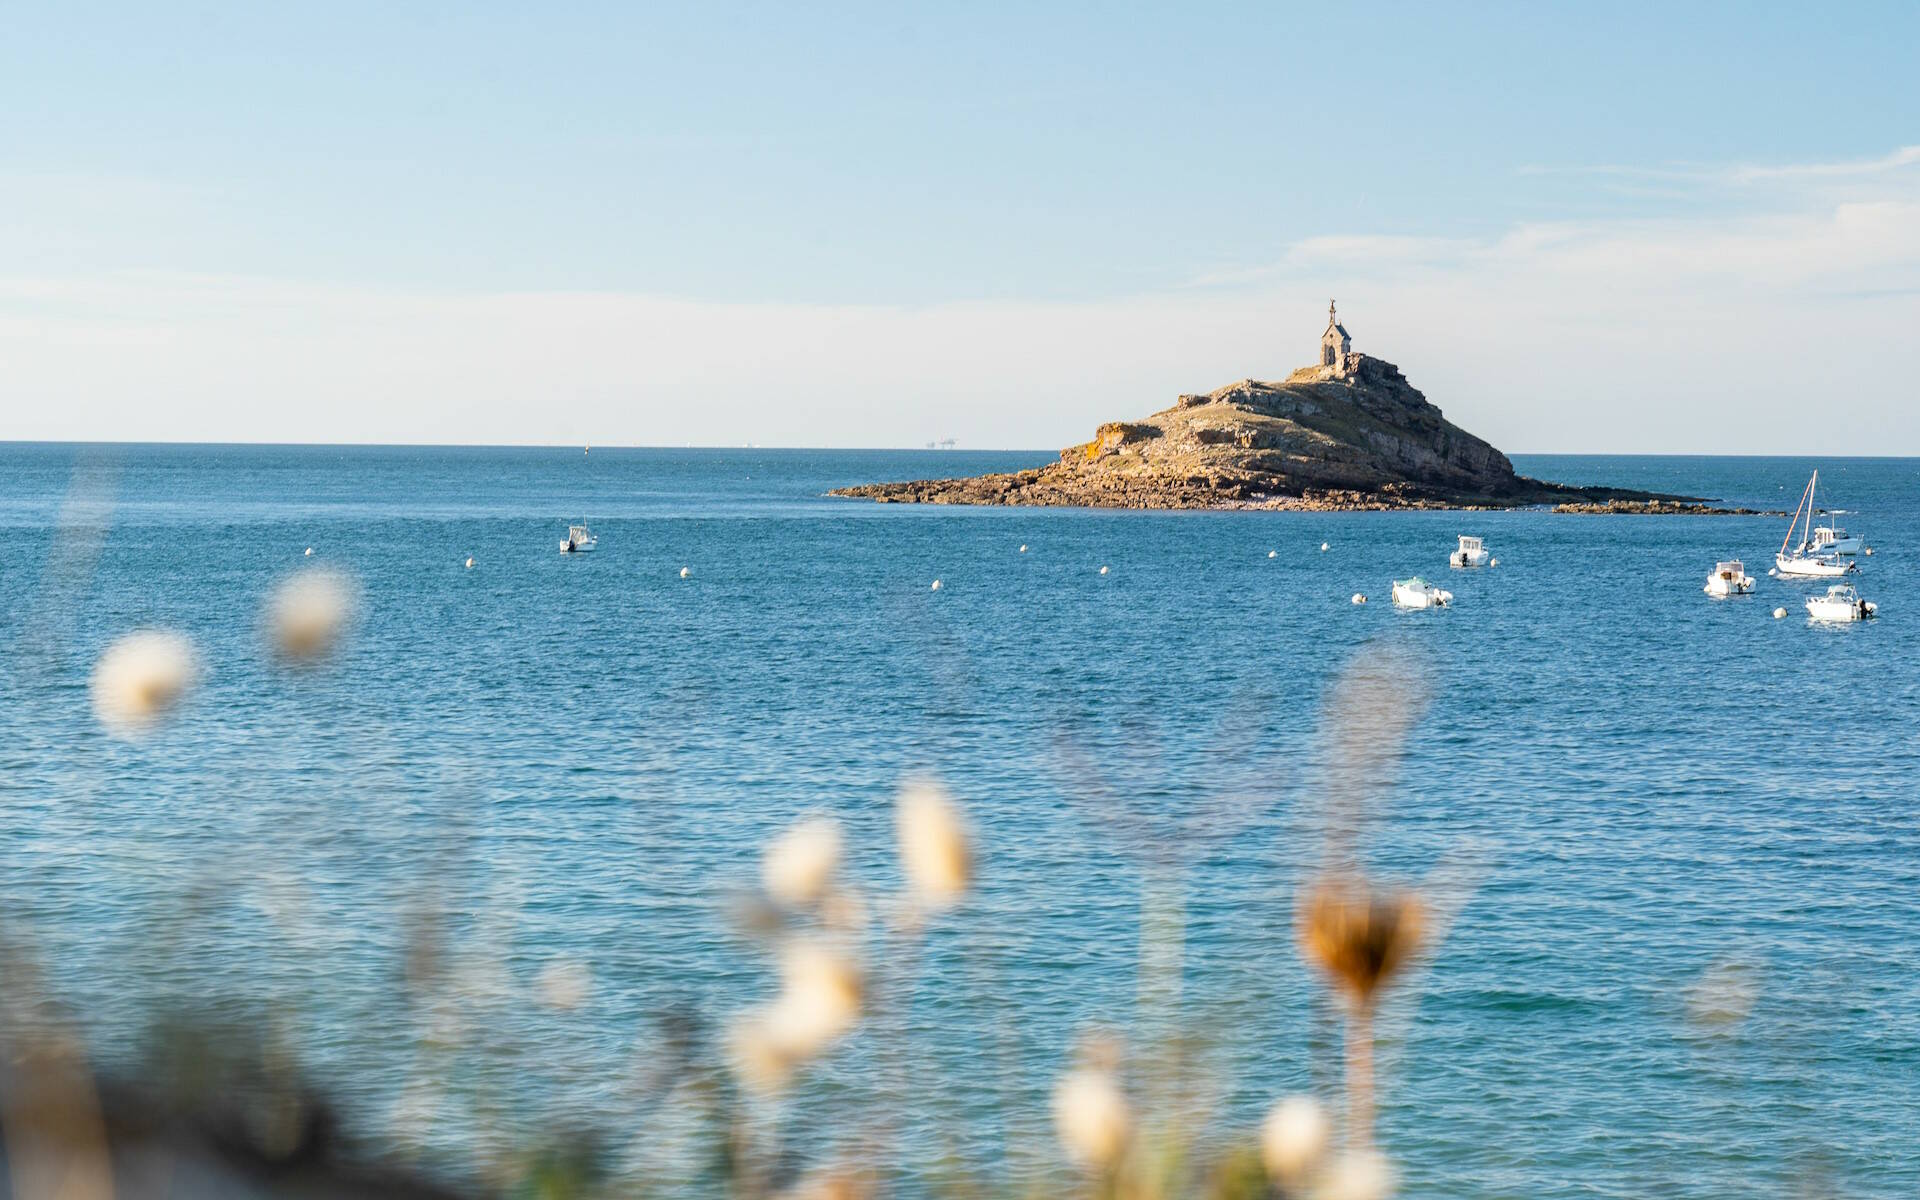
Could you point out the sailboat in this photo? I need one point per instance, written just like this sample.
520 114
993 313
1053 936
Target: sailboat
1800 562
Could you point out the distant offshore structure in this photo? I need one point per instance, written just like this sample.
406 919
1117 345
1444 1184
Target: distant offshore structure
1336 348
942 444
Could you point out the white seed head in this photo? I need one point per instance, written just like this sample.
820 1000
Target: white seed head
140 677
1090 1114
1293 1138
757 1059
799 864
933 845
564 984
308 613
818 1002
1358 1175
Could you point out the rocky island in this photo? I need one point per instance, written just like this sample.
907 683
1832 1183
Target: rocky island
1347 433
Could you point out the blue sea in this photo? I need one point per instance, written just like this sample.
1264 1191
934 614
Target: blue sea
1673 841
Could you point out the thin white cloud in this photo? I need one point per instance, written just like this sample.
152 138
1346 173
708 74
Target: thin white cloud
1905 156
1737 173
1716 332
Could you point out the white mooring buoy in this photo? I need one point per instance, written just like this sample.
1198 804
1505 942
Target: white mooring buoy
1273 554
469 562
1359 598
685 572
1778 613
1324 547
1103 570
936 586
1023 547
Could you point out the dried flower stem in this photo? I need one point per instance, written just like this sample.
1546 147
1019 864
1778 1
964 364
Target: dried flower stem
1360 1074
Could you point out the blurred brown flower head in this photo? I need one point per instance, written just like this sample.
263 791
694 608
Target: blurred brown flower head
1359 934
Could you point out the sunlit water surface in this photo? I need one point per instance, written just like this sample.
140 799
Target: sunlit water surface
576 759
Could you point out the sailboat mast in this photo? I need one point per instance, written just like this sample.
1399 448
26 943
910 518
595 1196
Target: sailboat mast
1813 485
1804 496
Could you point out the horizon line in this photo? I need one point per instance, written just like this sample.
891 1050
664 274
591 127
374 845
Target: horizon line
588 447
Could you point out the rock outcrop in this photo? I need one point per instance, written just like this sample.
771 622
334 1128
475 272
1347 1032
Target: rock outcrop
1363 441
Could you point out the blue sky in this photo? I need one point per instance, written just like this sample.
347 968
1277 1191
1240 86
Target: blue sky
875 225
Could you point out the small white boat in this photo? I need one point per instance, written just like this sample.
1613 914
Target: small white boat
1418 593
1470 554
1831 539
580 540
1841 603
1805 560
1729 579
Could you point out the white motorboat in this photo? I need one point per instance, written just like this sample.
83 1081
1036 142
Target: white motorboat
1472 553
580 540
1729 579
1841 603
1830 539
1804 560
1418 593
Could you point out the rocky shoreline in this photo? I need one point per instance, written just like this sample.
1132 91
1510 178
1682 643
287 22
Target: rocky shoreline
1661 508
1358 438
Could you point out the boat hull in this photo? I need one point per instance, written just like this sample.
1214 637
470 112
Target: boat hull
1811 568
1416 597
1729 587
1838 612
